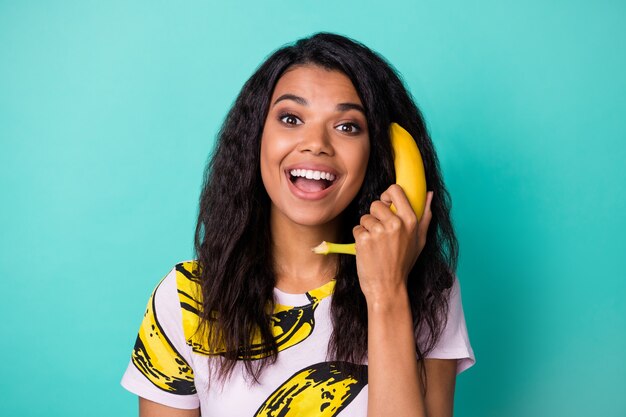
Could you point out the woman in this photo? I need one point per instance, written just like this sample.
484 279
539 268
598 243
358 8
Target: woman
259 324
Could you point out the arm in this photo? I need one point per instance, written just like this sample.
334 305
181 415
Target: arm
394 371
439 398
149 408
388 245
393 384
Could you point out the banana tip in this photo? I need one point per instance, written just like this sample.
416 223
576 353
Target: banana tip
321 249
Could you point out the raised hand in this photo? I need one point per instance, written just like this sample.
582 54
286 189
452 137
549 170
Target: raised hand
388 244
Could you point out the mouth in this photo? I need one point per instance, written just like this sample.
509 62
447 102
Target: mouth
311 181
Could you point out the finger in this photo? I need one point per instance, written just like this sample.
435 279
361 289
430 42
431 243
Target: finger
394 194
357 231
427 206
372 224
422 229
361 237
381 210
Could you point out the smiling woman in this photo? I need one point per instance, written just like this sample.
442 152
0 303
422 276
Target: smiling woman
316 126
260 325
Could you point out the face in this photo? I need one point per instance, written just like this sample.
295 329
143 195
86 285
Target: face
315 146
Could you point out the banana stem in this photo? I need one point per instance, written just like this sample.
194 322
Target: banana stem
325 248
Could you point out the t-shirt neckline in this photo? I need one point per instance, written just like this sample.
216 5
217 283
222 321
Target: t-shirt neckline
309 297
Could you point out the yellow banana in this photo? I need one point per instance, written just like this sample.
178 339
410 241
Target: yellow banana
289 325
319 390
407 161
156 358
410 176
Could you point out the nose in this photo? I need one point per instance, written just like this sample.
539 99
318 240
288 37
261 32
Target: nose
316 140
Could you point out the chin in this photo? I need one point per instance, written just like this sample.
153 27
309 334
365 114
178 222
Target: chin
309 221
309 218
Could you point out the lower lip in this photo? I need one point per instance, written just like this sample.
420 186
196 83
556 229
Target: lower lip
304 195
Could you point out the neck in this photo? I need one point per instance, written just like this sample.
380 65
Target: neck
298 269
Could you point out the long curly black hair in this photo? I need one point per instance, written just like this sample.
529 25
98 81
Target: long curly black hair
233 240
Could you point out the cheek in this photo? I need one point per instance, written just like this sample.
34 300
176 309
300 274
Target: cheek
359 159
272 154
266 164
274 148
361 162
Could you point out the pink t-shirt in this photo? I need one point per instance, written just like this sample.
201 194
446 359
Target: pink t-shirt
170 363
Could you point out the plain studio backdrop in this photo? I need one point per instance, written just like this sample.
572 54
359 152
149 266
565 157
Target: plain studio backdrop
109 110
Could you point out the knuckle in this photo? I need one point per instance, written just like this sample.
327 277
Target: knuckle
411 221
363 239
378 228
395 224
376 205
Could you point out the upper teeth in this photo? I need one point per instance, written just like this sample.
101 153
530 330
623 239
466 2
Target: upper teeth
312 175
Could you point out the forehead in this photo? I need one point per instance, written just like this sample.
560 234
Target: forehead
314 82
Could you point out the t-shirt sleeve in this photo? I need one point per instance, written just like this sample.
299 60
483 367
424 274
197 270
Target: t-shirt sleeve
160 367
454 342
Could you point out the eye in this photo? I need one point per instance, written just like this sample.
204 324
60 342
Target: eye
289 119
351 128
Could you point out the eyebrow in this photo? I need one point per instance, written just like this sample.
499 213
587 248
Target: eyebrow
302 101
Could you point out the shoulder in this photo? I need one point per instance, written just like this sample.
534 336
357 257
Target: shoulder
175 304
180 285
182 291
455 315
454 293
454 342
178 291
189 269
186 277
161 366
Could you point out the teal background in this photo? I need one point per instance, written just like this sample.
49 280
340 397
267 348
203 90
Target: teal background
108 111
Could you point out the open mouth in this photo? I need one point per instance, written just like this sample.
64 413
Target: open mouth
311 181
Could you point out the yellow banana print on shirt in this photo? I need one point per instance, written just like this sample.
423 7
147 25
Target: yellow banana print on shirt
319 390
290 325
156 358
